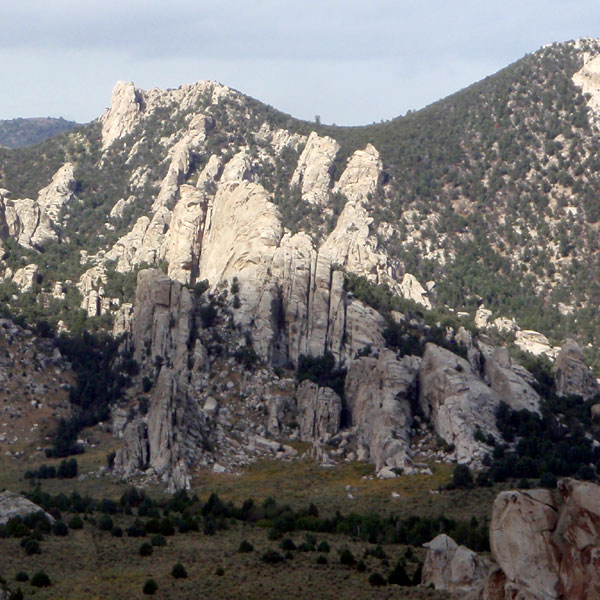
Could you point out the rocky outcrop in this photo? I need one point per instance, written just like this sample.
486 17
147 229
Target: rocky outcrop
183 240
411 289
14 505
360 178
25 221
588 79
181 155
313 173
457 402
534 342
27 277
35 223
122 116
454 568
319 412
380 393
91 286
509 384
58 193
572 375
169 438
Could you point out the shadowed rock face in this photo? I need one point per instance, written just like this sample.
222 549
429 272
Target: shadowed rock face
572 375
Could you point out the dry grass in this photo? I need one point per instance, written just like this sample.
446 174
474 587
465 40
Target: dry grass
89 564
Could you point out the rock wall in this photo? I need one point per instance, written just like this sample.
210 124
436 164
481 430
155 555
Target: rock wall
379 393
457 401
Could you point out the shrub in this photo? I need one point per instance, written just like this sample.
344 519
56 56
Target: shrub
105 523
245 546
179 572
40 579
136 529
158 540
166 527
60 529
548 480
399 576
306 547
377 579
146 549
323 547
461 477
16 595
116 532
220 571
287 544
272 557
347 558
32 547
75 522
361 567
150 587
321 560
21 576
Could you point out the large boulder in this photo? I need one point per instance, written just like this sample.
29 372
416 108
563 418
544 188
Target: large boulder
454 568
457 402
521 539
14 505
572 375
380 393
577 536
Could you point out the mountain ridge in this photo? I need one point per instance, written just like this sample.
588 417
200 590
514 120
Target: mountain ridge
214 233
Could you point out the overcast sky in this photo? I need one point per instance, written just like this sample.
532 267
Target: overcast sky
351 62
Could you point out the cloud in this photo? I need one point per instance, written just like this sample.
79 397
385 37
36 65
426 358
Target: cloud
350 61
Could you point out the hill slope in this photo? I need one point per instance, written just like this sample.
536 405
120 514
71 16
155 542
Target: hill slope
18 133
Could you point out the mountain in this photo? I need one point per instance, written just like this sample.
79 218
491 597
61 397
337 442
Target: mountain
371 291
18 133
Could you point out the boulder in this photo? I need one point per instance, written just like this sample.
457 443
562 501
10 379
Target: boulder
577 536
14 505
454 568
572 375
521 539
533 342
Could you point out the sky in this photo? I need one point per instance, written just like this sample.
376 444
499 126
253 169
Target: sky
351 62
